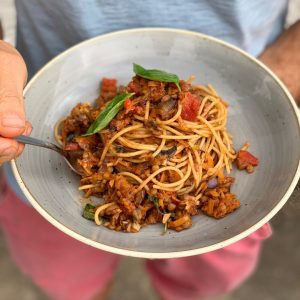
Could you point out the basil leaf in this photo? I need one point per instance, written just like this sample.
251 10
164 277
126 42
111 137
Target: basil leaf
156 75
154 200
110 111
89 212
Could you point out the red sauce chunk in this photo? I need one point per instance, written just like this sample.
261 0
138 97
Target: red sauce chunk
72 146
135 87
190 107
128 106
108 89
109 85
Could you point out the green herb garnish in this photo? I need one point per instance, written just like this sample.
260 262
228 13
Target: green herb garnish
154 200
156 75
89 212
110 111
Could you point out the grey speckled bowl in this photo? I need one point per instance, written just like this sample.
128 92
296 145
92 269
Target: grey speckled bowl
261 112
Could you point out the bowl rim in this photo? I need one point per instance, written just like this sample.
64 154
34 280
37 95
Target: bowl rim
176 254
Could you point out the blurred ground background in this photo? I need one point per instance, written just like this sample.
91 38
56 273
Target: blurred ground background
278 274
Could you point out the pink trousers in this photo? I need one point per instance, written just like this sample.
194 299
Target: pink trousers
64 268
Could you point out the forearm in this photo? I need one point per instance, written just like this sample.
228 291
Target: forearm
283 58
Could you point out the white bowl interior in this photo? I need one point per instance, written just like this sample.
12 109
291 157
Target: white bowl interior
260 113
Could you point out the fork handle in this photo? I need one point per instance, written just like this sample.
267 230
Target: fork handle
36 142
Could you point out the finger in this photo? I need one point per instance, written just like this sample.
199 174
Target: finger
13 76
12 116
8 149
19 150
27 131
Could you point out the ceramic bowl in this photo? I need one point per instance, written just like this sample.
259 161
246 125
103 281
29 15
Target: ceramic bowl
261 112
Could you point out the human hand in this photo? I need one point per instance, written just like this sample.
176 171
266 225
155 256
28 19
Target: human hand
13 75
283 58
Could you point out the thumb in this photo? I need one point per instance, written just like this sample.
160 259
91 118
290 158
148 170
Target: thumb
13 76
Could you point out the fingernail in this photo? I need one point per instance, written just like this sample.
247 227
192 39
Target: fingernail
7 152
13 121
28 130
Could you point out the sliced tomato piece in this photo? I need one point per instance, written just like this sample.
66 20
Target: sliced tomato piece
245 159
190 107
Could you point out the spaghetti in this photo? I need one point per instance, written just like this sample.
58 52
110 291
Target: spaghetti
161 159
